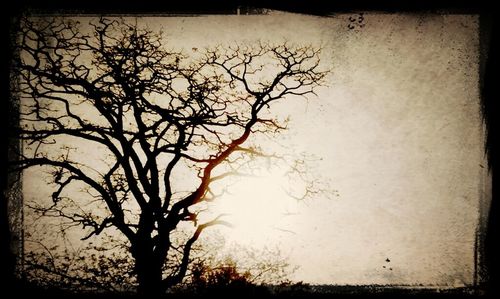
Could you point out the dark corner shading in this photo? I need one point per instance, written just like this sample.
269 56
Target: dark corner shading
228 281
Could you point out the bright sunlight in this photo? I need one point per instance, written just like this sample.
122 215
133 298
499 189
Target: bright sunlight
258 207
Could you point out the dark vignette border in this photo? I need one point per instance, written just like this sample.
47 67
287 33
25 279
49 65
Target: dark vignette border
488 265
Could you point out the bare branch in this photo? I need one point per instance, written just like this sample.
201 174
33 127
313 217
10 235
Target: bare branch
187 251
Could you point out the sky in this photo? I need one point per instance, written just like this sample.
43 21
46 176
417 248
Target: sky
397 133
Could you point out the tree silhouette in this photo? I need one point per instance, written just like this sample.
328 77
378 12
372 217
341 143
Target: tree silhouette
150 112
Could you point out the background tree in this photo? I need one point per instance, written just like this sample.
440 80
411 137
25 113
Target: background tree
153 114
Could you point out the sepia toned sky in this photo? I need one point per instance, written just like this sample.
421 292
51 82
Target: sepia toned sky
397 133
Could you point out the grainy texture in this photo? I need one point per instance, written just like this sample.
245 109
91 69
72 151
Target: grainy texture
400 136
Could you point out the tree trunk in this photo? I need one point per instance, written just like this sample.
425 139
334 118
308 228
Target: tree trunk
147 268
149 275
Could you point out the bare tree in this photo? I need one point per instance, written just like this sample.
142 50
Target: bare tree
151 112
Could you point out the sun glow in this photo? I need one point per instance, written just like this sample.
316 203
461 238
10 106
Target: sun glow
258 207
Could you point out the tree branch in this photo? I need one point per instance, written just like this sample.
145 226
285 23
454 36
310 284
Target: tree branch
175 279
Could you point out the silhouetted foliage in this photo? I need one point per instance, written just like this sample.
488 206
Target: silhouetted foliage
104 268
150 113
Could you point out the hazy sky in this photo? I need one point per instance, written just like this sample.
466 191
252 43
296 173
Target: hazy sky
400 136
